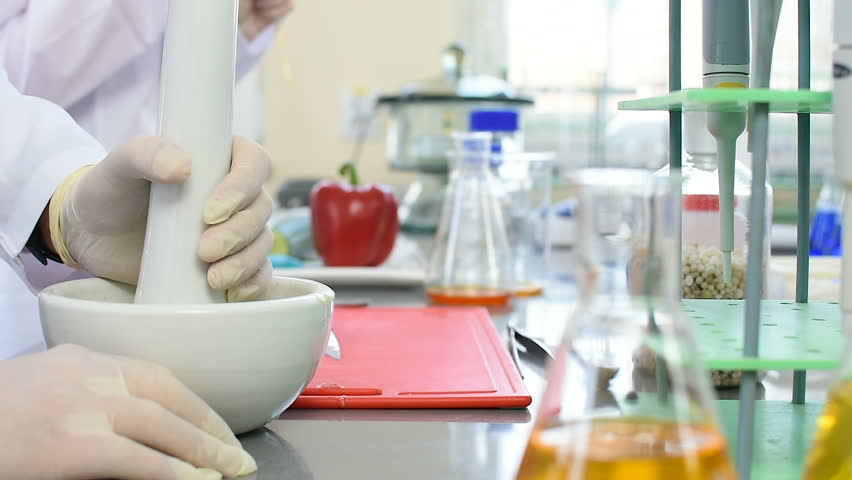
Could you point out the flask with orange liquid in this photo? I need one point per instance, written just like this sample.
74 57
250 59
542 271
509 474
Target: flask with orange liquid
626 397
471 259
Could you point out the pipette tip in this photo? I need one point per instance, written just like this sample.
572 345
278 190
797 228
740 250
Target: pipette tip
726 266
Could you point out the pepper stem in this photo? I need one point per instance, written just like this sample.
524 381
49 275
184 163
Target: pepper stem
348 170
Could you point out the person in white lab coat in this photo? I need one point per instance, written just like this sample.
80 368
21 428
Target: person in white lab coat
100 60
72 413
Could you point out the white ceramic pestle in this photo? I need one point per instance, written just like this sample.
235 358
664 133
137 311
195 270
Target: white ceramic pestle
196 112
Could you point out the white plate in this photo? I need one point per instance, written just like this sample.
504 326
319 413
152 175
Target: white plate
357 276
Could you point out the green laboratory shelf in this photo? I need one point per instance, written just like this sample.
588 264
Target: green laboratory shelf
734 99
783 433
793 336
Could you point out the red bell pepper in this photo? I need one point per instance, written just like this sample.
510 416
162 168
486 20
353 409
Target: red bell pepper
354 225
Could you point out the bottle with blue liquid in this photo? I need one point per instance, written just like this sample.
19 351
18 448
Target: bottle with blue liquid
827 229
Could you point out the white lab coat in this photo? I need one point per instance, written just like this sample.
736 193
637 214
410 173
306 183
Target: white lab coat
100 60
39 146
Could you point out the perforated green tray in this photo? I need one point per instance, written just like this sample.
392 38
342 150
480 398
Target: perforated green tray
782 436
793 336
724 99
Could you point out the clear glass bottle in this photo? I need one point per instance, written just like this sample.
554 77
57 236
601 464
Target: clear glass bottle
702 275
471 258
702 226
626 398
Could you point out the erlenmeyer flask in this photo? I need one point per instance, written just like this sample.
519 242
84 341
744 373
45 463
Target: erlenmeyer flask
470 262
626 397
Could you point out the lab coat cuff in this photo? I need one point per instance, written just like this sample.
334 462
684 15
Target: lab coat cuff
260 43
36 194
250 51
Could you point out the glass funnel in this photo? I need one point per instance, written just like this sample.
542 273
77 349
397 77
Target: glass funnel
470 262
626 397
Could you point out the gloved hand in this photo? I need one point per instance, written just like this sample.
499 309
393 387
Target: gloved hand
72 413
257 15
98 215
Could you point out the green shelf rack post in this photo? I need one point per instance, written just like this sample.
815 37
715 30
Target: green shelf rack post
804 179
675 117
785 335
754 288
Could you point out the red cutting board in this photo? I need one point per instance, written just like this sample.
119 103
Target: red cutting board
433 357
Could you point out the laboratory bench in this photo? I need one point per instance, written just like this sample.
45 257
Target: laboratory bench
484 444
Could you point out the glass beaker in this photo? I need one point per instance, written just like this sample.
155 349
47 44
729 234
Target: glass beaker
526 181
626 397
470 262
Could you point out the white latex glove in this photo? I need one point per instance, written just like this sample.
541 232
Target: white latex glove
70 413
257 15
98 215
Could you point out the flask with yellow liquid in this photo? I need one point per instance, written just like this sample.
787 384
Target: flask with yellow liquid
626 397
830 457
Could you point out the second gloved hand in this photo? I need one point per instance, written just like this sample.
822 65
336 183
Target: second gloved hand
257 15
98 216
72 413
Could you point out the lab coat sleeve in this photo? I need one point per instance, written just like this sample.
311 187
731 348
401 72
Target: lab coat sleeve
40 145
250 52
62 50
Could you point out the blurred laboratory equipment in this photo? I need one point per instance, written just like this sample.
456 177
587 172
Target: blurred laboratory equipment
830 455
525 183
726 65
471 258
827 228
762 46
831 452
505 128
626 397
701 250
524 190
422 117
703 224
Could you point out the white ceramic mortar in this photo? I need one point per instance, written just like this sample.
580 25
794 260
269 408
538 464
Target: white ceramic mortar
249 361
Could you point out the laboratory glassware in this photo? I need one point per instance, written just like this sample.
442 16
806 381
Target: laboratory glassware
626 397
471 258
525 181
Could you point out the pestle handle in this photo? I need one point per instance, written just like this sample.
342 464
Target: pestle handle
196 112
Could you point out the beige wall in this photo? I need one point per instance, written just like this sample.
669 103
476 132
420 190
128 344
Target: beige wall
332 45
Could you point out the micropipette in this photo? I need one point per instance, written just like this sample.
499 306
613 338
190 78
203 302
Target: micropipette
726 65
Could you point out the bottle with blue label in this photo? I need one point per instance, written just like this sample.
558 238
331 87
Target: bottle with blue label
524 191
505 129
827 229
